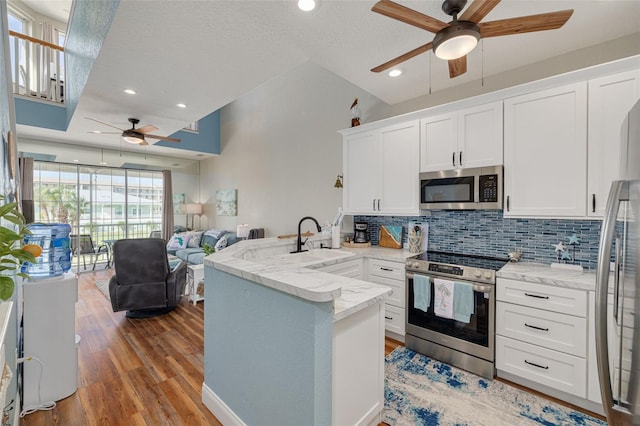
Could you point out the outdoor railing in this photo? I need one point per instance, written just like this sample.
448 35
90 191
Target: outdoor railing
37 68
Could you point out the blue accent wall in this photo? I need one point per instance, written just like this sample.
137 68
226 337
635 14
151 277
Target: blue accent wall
488 233
268 355
41 114
89 24
206 140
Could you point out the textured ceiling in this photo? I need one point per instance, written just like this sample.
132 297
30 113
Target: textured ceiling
208 53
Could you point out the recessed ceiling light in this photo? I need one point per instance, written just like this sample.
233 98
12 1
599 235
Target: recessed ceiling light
75 161
395 72
103 163
306 5
97 132
129 91
181 105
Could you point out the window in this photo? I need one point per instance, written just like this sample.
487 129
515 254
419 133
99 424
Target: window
107 203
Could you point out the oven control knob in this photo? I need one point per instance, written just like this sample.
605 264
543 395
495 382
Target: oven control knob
416 265
487 275
477 273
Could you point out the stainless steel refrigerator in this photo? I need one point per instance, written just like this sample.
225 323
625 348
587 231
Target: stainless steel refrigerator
617 313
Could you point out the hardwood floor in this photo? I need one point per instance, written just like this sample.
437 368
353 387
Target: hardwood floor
136 372
133 372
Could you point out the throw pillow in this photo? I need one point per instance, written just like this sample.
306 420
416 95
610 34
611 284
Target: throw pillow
222 243
178 241
216 233
194 240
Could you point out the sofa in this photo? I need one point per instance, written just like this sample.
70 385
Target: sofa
189 246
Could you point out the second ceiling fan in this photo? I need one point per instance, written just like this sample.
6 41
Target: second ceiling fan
455 39
135 135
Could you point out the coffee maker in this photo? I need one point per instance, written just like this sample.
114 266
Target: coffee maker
360 232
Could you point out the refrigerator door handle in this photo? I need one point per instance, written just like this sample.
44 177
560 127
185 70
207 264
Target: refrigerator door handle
619 192
616 278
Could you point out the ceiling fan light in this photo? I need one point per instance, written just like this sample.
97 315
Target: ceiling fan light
133 139
456 40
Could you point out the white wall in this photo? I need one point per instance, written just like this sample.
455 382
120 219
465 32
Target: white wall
280 149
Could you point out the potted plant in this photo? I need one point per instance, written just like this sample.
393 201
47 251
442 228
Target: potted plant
12 252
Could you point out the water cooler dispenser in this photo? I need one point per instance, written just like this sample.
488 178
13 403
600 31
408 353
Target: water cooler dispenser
49 318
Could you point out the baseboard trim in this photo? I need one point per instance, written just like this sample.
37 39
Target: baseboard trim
223 413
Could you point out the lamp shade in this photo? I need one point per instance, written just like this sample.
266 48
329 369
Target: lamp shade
242 231
193 208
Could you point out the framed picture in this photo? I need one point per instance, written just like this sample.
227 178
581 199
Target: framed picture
178 201
226 202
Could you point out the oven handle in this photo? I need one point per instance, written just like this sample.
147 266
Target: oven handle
476 287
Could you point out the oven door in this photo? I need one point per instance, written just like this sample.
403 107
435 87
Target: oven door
477 337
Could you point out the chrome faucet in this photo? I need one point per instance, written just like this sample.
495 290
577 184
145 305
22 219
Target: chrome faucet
299 243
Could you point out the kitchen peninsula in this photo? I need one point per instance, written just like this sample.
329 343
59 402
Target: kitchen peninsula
286 343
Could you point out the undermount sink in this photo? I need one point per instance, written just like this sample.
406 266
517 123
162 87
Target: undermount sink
314 256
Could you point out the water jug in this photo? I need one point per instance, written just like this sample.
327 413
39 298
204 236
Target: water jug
55 259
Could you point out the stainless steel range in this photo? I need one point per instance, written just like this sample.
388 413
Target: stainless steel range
451 309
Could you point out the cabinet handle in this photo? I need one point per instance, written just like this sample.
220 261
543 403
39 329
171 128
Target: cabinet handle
374 204
389 318
460 158
378 204
508 197
536 296
386 269
593 203
536 327
544 367
453 159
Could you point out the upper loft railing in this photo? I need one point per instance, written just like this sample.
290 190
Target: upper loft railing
37 68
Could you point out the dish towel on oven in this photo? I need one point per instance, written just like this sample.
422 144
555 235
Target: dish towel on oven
421 292
462 302
443 298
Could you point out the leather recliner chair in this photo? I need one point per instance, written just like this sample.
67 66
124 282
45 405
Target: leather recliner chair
143 284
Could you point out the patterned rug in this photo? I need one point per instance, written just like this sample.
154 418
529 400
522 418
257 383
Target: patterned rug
422 391
103 286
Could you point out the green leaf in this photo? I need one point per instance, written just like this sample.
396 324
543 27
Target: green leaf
6 287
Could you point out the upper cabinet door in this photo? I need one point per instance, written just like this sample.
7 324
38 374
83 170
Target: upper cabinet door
399 182
471 137
610 99
361 165
438 143
545 153
480 136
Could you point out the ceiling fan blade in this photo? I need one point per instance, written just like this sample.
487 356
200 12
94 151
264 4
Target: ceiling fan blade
162 138
105 133
525 24
402 58
146 129
106 124
478 10
408 16
457 66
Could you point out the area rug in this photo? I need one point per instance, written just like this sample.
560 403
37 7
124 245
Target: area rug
422 391
103 286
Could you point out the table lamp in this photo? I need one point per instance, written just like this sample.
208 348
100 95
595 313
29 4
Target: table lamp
192 209
242 231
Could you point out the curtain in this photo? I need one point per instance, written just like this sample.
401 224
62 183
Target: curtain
25 166
167 205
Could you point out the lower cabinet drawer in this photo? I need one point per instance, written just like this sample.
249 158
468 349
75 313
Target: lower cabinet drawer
394 319
555 331
397 297
561 371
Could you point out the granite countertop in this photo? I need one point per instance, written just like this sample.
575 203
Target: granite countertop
545 274
262 261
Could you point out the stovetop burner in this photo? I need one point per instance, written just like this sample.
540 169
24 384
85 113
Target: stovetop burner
458 259
456 265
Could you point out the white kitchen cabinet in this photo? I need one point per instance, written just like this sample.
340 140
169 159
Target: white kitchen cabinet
610 99
541 337
471 137
381 171
545 153
390 274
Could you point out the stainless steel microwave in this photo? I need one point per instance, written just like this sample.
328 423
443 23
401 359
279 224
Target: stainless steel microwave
477 188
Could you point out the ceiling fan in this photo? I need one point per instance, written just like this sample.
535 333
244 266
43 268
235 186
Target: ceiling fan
136 136
455 39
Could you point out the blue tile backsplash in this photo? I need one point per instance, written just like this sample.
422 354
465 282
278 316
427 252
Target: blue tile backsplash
488 233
